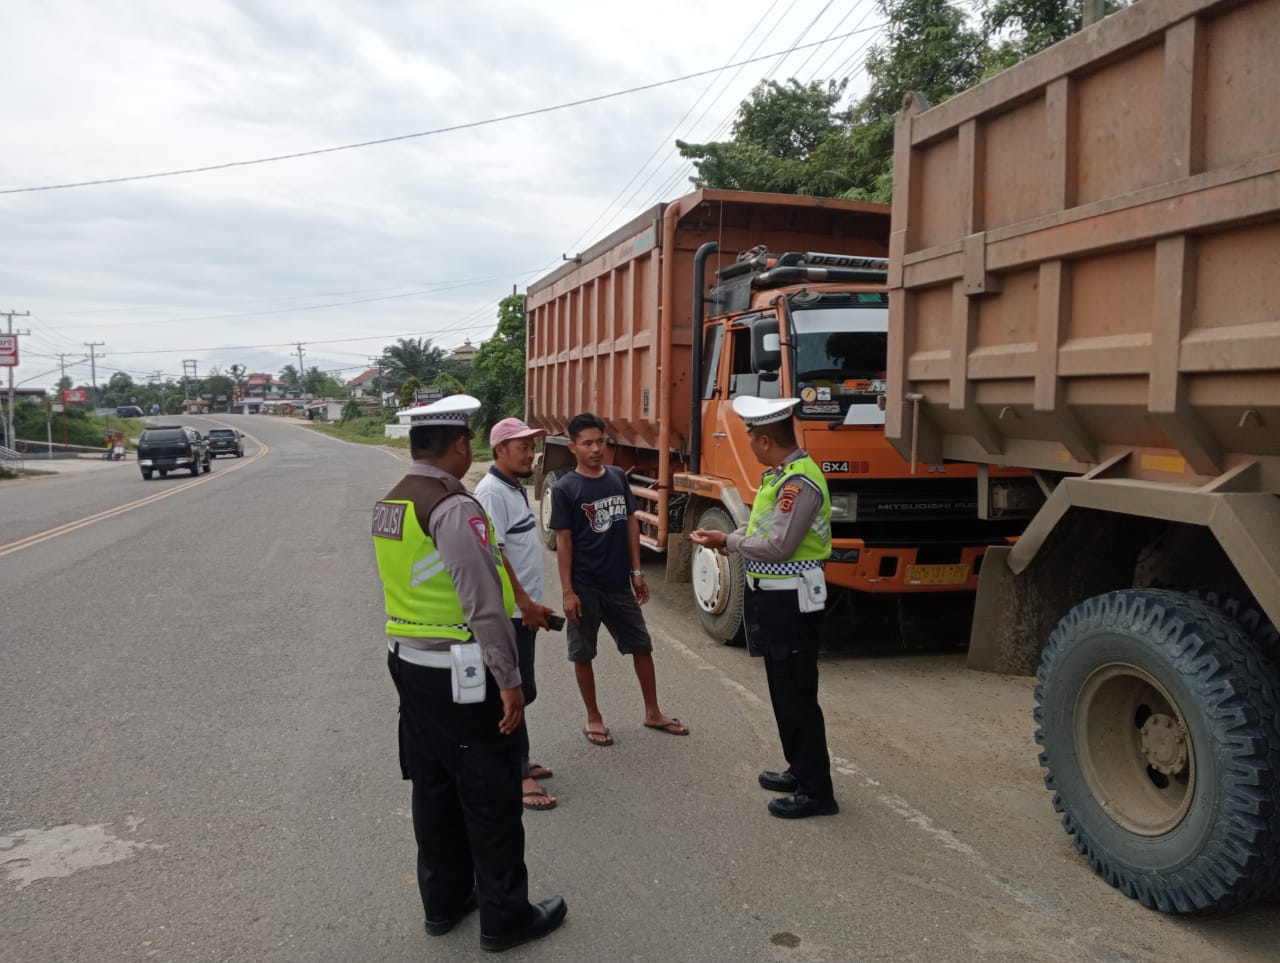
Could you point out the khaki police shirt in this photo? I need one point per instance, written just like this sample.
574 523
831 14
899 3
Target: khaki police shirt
786 528
470 563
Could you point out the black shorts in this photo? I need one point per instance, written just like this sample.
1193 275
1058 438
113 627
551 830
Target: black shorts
621 615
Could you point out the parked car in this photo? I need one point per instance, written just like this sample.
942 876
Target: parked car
167 448
129 411
225 441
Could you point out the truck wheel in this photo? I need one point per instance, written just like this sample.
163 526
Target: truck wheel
719 585
146 475
1243 609
1158 724
544 510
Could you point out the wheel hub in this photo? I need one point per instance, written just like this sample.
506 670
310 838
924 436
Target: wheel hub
710 580
1134 750
1165 744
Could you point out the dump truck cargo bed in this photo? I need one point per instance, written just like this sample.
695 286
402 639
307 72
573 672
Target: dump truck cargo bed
1085 260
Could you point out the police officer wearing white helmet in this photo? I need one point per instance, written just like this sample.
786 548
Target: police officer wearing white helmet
784 546
453 660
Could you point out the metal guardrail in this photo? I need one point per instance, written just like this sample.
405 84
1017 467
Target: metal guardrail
11 460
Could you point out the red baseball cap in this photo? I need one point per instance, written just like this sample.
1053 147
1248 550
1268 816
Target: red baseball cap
510 428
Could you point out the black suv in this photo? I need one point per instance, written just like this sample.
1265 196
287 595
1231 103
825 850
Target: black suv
167 448
225 441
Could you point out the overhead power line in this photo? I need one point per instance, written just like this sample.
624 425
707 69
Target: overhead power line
422 133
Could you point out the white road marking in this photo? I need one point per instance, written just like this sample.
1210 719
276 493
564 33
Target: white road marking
33 854
891 801
203 479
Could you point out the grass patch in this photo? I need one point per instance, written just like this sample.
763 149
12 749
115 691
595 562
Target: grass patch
363 431
369 431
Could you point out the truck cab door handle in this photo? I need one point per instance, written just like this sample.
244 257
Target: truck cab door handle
719 434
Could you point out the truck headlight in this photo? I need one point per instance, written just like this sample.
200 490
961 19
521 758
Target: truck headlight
844 507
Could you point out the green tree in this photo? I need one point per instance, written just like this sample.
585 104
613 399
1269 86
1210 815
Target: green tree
783 141
290 378
321 384
408 390
1016 29
497 372
217 386
929 48
118 390
237 373
411 357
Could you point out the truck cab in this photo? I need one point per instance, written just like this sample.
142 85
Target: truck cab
896 527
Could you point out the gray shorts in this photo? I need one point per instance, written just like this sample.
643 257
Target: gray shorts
620 614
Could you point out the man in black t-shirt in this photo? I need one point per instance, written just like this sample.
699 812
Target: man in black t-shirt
598 552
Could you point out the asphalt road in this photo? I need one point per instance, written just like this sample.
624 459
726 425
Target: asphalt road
197 762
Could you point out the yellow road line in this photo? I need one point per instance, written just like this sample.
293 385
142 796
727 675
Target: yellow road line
49 534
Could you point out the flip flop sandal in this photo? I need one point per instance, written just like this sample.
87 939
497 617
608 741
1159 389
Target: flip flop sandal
549 804
598 738
544 774
672 728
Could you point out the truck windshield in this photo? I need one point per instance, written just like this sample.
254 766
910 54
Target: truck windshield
839 362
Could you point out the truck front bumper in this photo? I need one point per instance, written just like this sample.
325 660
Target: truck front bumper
879 569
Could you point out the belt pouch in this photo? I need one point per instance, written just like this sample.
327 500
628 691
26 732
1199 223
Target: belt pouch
812 596
467 670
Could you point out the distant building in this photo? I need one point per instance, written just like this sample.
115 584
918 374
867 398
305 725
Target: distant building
362 386
464 352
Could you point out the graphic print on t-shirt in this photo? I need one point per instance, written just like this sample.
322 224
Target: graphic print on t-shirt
603 512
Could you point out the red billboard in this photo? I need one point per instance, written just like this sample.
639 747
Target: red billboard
8 350
74 395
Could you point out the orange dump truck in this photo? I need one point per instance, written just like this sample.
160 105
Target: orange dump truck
1085 281
658 327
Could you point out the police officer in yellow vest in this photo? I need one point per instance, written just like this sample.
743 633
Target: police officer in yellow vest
784 546
453 660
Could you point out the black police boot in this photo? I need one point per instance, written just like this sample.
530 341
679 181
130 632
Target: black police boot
798 806
547 915
779 781
442 926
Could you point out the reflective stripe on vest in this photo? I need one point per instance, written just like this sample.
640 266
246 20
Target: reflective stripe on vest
815 548
421 600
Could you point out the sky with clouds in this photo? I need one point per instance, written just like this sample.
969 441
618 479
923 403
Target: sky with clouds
347 250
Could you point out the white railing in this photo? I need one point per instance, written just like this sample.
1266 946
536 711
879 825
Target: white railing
11 459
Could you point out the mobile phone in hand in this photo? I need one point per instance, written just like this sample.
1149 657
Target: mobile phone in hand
555 622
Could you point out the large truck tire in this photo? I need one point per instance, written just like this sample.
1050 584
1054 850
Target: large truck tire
544 510
1243 609
1158 723
719 585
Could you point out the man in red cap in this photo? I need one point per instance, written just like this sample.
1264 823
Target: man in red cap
504 498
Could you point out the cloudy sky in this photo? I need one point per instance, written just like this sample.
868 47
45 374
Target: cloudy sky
346 250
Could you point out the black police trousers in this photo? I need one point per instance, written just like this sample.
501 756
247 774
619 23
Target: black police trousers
467 811
789 640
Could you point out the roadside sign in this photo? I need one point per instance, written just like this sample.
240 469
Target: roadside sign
8 350
425 396
57 407
75 395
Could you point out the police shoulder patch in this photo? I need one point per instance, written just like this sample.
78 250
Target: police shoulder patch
481 527
787 498
388 520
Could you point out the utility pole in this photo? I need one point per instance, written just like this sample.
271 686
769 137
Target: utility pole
93 367
301 372
376 364
10 440
1092 11
190 375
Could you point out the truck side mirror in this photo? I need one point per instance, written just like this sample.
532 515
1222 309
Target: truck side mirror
766 346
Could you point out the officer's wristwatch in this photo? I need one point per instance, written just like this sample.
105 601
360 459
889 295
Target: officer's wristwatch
637 571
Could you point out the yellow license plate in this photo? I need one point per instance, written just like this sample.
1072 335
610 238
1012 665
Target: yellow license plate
937 574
